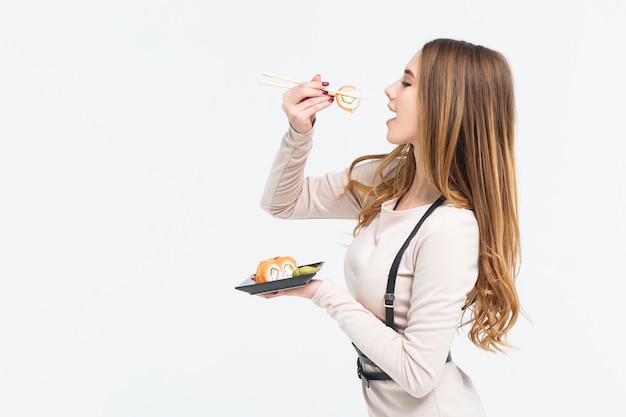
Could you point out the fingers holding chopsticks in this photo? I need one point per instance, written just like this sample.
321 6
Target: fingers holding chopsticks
302 102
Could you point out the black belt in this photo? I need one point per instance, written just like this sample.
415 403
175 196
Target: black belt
367 376
388 301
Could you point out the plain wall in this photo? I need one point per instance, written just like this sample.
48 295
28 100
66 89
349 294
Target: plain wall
135 139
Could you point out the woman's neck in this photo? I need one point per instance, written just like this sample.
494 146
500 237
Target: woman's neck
419 194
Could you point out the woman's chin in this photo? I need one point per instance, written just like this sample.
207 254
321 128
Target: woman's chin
393 139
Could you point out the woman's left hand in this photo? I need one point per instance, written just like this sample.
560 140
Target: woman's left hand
306 291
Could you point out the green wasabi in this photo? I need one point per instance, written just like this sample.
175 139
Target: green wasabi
304 270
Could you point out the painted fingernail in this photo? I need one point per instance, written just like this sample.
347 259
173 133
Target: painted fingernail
274 292
330 100
325 83
324 92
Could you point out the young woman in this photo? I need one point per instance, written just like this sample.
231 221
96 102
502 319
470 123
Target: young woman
452 174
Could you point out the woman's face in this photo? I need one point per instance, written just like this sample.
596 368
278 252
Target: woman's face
402 94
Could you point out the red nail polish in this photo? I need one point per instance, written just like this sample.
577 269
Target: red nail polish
325 83
324 92
331 99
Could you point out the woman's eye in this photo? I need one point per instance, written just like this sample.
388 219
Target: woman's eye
406 84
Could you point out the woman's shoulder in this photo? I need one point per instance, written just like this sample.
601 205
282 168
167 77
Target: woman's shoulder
449 217
366 167
364 170
450 230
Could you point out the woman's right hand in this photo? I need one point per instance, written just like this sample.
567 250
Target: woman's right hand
302 102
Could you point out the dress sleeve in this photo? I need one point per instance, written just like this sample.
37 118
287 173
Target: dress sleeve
446 268
288 194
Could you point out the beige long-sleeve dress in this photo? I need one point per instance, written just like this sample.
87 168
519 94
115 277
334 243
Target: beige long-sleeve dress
437 270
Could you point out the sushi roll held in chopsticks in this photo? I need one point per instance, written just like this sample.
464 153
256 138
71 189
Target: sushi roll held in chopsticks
348 102
347 97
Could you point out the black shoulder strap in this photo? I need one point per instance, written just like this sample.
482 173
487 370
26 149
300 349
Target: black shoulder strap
391 281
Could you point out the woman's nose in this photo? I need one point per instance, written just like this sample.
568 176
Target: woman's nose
389 92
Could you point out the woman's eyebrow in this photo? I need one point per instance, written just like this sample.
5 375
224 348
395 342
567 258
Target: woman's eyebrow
409 72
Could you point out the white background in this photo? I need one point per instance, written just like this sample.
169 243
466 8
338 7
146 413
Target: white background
135 139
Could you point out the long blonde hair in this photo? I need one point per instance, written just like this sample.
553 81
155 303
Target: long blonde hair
467 122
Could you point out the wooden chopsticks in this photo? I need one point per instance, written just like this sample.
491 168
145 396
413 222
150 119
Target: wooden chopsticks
280 77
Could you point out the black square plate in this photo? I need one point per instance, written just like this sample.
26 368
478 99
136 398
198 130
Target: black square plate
251 287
